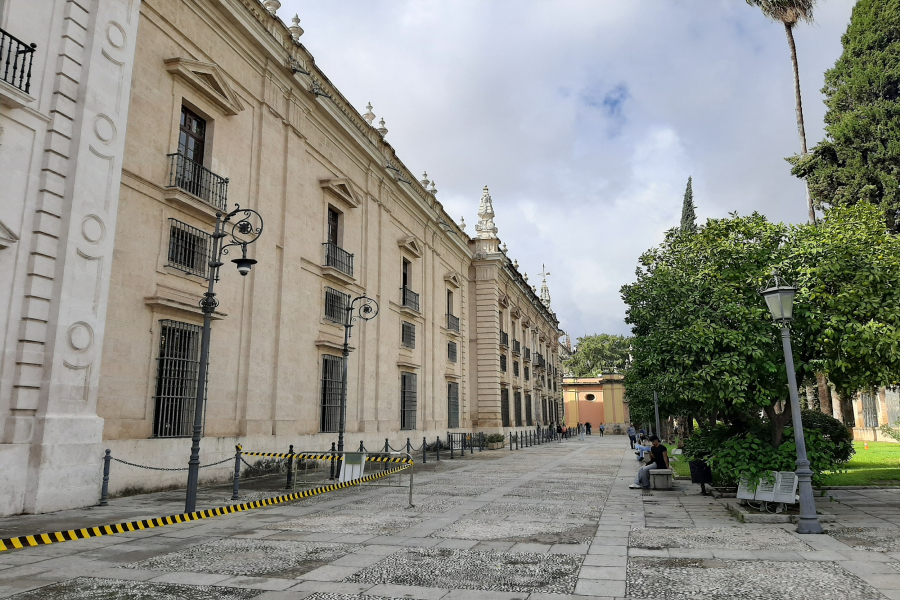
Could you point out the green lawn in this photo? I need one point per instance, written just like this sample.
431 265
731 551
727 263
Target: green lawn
879 465
680 465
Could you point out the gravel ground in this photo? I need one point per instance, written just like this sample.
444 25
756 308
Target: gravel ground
476 529
475 570
732 538
446 490
348 523
88 588
250 557
683 579
539 511
399 504
873 539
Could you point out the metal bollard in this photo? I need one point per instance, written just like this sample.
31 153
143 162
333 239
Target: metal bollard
104 491
450 443
290 469
510 442
424 454
332 459
237 473
471 448
437 448
408 447
517 441
387 450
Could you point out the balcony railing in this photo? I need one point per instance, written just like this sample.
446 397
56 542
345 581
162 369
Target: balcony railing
409 299
15 61
453 323
196 179
338 258
504 338
517 346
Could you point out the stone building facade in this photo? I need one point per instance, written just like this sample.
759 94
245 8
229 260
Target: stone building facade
210 105
596 400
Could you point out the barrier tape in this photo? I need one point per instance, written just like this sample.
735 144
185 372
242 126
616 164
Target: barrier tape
90 532
328 456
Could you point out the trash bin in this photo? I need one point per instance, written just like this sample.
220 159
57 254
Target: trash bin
701 473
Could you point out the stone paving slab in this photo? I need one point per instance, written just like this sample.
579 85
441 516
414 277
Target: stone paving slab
87 588
734 538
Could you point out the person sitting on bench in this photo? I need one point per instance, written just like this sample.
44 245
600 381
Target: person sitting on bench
660 456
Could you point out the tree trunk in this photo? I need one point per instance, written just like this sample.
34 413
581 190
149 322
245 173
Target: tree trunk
836 408
778 421
811 403
801 130
824 394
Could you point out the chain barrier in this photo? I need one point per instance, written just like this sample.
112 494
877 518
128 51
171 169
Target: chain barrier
131 464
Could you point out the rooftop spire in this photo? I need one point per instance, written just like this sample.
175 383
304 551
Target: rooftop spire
485 227
545 291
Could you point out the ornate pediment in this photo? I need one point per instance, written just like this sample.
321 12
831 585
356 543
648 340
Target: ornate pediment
341 189
7 237
515 312
209 80
504 300
453 279
411 245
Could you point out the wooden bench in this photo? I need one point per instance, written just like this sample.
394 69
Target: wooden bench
662 479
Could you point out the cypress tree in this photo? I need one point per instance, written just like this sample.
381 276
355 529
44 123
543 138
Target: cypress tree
688 217
859 159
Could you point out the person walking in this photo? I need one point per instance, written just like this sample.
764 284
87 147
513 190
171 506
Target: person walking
587 427
559 432
602 429
581 432
632 435
565 431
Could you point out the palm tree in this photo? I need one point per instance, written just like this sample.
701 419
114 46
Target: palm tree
789 13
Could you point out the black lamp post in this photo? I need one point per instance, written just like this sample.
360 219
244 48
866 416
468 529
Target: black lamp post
249 233
366 309
780 300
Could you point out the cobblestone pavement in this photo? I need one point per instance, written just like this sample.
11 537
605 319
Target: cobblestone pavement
549 522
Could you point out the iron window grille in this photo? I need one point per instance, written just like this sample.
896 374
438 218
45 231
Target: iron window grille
189 249
451 351
452 405
330 408
517 346
408 335
504 406
529 421
409 298
452 323
407 400
503 363
336 305
527 353
544 409
177 370
515 368
15 61
504 338
518 401
196 179
869 409
338 258
527 373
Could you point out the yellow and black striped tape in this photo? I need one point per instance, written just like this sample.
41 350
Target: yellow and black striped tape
90 532
327 456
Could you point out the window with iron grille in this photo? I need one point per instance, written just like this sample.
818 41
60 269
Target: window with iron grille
336 305
544 409
516 368
177 369
189 249
452 405
527 374
504 407
517 398
451 351
503 363
869 409
408 335
408 400
529 421
329 419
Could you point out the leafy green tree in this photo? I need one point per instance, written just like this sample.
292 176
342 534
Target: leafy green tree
860 156
688 216
596 354
789 13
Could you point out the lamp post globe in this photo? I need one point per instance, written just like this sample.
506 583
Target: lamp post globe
779 297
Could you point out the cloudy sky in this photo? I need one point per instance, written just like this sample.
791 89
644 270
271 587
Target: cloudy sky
585 118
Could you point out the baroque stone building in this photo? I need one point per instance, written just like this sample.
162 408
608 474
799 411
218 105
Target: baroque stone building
145 118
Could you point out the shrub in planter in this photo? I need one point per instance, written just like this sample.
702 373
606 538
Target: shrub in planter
496 437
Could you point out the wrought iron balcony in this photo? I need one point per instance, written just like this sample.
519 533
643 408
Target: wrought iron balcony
504 338
452 323
517 346
409 298
338 258
196 179
15 61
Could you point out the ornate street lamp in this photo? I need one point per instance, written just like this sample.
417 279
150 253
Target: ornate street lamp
366 309
779 296
244 231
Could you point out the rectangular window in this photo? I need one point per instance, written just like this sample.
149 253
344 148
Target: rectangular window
178 366
334 219
449 302
329 420
407 400
406 275
452 405
408 335
503 363
191 136
544 410
504 407
518 401
527 373
515 368
451 351
336 305
189 249
529 420
869 409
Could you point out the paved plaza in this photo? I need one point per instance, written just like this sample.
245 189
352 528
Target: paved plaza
555 521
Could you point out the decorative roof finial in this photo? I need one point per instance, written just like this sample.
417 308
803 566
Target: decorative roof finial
503 248
382 130
516 264
433 189
369 116
485 227
462 223
296 30
272 6
424 181
545 291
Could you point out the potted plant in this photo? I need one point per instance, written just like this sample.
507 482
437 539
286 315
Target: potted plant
496 441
